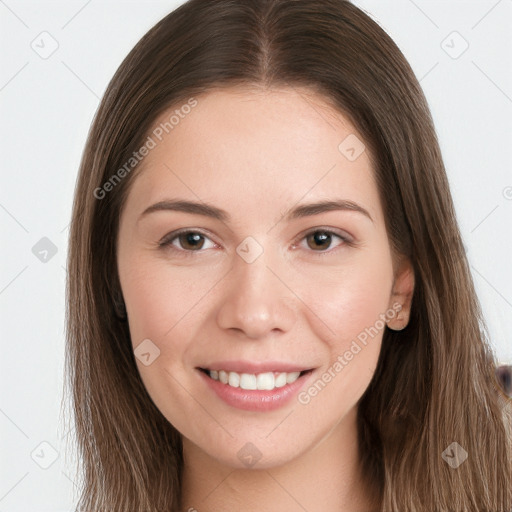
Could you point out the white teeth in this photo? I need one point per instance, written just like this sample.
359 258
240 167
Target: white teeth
280 380
223 376
250 381
233 379
265 381
292 377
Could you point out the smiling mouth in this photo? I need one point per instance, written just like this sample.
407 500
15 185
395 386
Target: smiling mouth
253 381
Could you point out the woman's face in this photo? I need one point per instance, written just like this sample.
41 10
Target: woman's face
267 287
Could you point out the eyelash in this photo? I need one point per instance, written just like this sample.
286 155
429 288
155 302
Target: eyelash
166 242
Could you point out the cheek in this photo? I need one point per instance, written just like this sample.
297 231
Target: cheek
160 299
164 304
343 302
346 312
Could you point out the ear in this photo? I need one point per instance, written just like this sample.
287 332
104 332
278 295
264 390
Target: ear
402 292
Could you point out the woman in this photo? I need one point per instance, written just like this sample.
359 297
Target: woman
217 358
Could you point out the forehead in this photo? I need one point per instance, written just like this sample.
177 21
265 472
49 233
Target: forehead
251 148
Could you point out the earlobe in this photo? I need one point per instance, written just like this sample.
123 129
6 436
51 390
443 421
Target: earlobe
403 289
400 321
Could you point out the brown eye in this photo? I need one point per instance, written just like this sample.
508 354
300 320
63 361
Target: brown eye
320 240
186 241
191 240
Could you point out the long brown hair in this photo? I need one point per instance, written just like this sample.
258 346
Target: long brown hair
435 380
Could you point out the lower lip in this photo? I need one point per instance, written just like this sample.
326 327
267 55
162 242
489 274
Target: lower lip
257 399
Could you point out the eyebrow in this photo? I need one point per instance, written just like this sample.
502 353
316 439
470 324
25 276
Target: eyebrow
208 210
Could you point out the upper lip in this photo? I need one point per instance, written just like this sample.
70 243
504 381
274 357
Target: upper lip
241 366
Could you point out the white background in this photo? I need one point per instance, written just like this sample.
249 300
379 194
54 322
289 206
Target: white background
47 106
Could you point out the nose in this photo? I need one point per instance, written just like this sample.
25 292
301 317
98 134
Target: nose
257 300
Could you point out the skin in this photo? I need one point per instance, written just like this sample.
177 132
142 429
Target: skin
257 153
